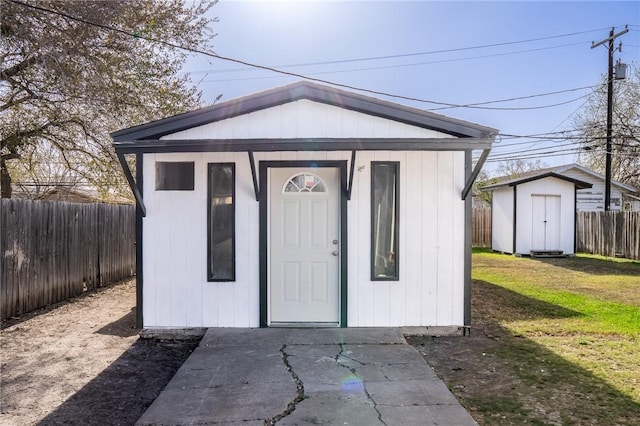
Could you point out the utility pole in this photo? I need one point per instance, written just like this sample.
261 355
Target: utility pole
607 173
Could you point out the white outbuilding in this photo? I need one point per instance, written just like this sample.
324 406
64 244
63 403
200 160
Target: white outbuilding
535 215
304 205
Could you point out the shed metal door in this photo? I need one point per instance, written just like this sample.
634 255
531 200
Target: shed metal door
545 222
304 265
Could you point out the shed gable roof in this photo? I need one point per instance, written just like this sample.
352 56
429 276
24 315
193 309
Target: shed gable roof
310 91
580 184
559 170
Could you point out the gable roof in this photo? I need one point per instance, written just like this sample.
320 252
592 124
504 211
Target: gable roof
560 170
566 167
147 138
310 91
580 184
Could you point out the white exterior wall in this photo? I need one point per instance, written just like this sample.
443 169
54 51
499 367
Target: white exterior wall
431 226
175 290
592 199
431 245
545 186
305 119
502 220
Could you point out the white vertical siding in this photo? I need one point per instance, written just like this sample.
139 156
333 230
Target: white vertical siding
502 220
305 119
412 248
431 238
431 285
176 291
458 228
173 247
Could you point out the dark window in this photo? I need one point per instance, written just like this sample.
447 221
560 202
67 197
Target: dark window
384 220
221 263
174 176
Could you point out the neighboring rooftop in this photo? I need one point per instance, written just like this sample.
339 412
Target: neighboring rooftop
556 170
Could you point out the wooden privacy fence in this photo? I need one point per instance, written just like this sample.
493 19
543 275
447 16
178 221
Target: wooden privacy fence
604 233
609 234
481 227
51 251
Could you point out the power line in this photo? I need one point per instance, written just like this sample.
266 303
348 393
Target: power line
559 139
531 157
550 154
388 66
534 143
404 55
548 135
561 134
288 73
532 150
526 155
471 105
523 97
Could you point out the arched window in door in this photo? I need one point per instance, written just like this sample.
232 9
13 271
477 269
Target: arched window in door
304 182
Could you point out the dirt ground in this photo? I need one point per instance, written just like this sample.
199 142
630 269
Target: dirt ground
82 362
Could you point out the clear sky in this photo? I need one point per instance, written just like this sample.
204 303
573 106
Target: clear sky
334 40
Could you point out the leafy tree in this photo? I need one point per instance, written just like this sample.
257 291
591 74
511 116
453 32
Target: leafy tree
591 121
68 78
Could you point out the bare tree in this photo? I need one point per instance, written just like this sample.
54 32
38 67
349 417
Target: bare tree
591 122
515 168
68 77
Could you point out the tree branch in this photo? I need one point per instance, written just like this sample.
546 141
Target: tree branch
7 73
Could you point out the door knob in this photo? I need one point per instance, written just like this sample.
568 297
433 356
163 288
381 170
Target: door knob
335 253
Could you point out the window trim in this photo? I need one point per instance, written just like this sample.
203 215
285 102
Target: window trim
190 187
396 237
210 166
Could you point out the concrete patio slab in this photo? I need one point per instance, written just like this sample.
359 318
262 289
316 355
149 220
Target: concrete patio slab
305 377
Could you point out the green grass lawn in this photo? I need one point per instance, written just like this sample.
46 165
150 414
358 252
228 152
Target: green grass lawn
553 341
603 295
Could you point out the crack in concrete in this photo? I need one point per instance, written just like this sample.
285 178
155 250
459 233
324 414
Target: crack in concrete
342 355
300 395
222 422
364 384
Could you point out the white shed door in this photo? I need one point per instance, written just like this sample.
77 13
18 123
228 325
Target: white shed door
304 262
545 217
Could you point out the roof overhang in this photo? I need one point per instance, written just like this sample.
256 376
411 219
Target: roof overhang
311 91
300 144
